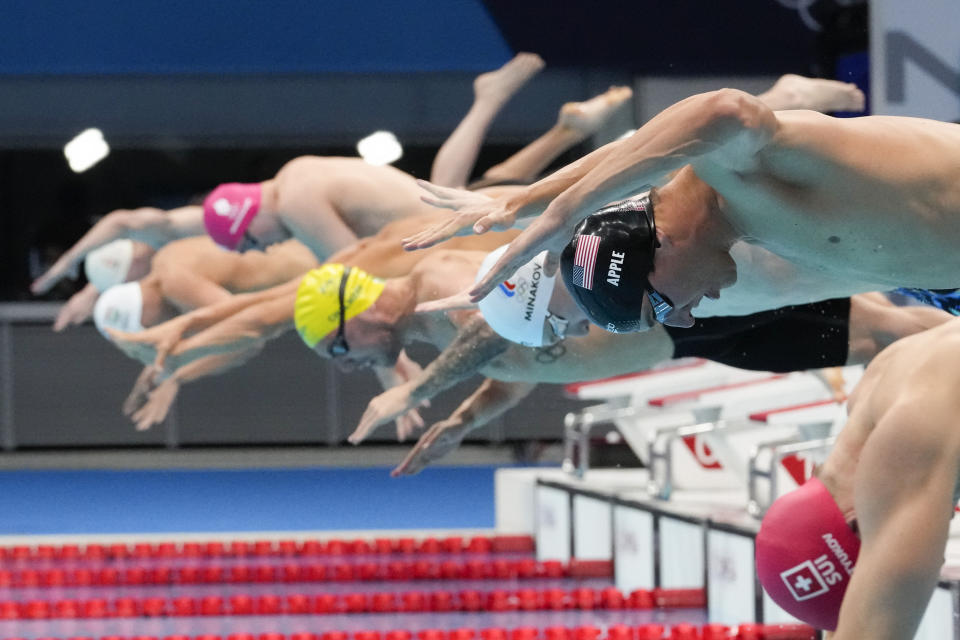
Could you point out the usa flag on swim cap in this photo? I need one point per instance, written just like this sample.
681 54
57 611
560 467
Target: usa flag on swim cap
584 260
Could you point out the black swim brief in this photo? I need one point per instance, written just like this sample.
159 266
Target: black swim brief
795 338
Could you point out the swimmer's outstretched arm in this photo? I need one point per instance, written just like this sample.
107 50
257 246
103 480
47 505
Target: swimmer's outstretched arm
251 327
156 342
155 409
903 499
475 345
187 290
151 226
728 125
402 372
490 400
223 346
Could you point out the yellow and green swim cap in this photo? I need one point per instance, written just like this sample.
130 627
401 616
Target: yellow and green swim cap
317 309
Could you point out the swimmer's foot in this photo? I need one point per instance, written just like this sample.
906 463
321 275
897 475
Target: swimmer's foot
499 86
797 92
586 118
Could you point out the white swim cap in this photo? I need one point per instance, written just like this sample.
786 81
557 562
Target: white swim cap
109 265
517 308
119 308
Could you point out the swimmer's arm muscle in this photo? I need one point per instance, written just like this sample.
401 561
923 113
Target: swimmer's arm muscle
904 501
729 125
254 325
491 399
188 290
475 345
152 226
208 316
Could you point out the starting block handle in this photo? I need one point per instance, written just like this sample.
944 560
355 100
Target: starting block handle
778 449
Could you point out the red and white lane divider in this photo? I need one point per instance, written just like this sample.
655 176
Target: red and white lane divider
300 571
679 631
497 600
266 548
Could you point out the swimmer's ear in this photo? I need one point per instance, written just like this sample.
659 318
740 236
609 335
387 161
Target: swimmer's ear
452 303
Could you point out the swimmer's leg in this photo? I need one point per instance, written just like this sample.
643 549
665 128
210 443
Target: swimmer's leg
798 92
455 159
577 121
876 324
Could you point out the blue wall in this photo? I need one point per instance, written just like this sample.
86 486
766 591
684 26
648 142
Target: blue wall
245 36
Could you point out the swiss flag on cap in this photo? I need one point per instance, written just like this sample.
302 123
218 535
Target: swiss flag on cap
805 554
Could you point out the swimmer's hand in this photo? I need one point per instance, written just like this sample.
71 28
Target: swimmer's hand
832 378
152 345
475 213
393 404
158 405
438 441
64 267
145 383
455 302
545 232
77 309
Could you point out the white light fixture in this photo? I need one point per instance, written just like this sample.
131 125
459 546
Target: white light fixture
380 148
86 150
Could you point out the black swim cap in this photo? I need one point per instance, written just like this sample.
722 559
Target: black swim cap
608 261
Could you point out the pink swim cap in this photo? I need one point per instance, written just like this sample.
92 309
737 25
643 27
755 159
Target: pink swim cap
805 554
228 211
